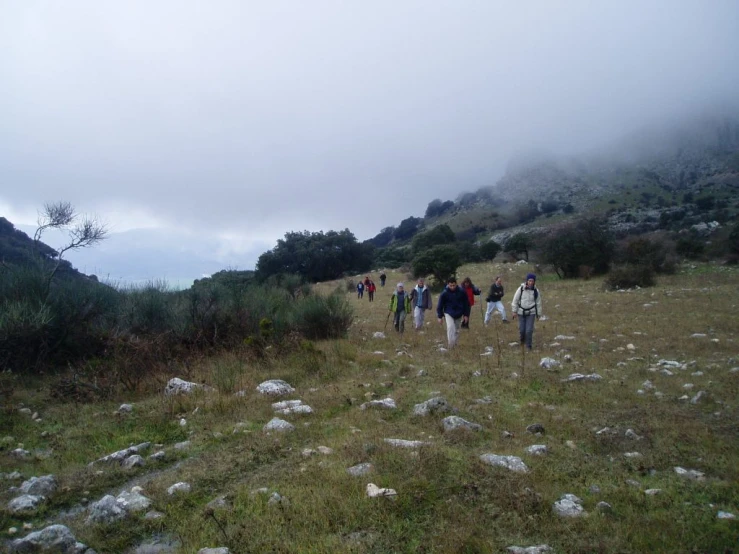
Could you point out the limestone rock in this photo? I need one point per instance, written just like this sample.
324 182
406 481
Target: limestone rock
275 387
537 450
25 504
437 404
569 505
373 491
385 403
280 425
452 423
55 538
360 469
106 510
539 549
177 386
180 487
513 463
39 486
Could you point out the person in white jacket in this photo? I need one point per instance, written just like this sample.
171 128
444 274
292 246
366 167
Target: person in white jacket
526 305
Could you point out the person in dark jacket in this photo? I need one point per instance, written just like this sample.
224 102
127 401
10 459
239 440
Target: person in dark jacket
371 288
360 289
400 305
383 277
495 301
454 307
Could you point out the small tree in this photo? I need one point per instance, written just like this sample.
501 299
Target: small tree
441 234
520 243
489 249
83 231
588 243
440 261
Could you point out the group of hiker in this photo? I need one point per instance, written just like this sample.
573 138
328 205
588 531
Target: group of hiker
368 286
456 301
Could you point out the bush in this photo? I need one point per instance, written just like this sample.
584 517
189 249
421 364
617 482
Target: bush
689 247
588 242
643 251
440 261
490 249
323 317
629 276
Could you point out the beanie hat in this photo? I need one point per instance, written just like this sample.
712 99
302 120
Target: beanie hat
400 285
531 276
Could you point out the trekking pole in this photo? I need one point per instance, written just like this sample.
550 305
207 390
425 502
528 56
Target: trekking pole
386 320
497 342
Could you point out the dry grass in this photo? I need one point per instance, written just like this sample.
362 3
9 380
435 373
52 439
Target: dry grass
448 501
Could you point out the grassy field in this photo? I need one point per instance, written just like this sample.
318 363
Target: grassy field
447 499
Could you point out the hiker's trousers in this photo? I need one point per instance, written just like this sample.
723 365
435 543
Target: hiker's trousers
526 329
418 315
491 308
399 321
452 329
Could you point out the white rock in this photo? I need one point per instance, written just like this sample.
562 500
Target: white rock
633 455
548 363
581 377
180 487
378 335
564 337
125 409
537 449
513 463
133 461
133 501
106 510
177 386
653 492
402 443
275 387
219 550
386 403
539 549
374 491
698 336
55 538
630 434
630 347
725 515
360 469
452 423
690 473
569 506
277 424
432 405
25 504
697 397
39 486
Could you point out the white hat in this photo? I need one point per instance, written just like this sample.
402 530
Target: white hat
400 285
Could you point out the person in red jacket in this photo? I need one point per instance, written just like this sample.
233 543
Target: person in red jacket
471 291
371 288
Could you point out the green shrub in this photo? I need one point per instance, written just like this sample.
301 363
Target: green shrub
323 317
630 276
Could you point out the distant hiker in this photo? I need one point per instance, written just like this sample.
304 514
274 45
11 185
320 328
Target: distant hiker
400 305
494 300
471 291
421 301
371 288
366 281
454 307
360 289
382 279
527 306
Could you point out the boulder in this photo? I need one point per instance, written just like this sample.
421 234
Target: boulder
275 387
452 423
430 406
106 510
25 504
513 463
55 538
177 386
569 506
280 425
39 486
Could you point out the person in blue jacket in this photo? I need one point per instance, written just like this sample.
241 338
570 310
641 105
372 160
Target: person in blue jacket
454 307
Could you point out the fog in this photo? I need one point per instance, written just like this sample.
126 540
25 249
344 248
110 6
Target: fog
227 124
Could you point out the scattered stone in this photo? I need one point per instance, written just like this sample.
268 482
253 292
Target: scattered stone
548 363
452 423
184 445
153 515
183 422
177 386
373 491
535 428
133 501
180 487
158 456
564 337
20 453
121 455
594 489
402 443
568 358
690 473
569 505
277 498
581 377
360 469
219 550
537 450
133 461
39 486
647 385
571 444
385 403
630 434
55 538
513 463
653 492
632 455
291 407
275 387
124 409
25 504
507 435
378 335
633 483
280 425
698 397
218 503
539 549
604 507
725 515
698 336
106 510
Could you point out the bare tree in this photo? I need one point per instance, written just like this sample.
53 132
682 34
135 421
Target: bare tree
83 230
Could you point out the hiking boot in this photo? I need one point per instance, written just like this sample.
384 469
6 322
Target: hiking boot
506 321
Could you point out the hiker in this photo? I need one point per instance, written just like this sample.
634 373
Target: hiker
495 300
366 282
454 307
471 291
382 279
421 301
527 306
400 305
360 289
371 288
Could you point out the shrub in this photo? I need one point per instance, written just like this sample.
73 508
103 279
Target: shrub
440 261
323 317
629 276
588 242
489 249
689 247
643 251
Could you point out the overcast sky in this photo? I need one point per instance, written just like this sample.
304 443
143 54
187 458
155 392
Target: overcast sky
221 125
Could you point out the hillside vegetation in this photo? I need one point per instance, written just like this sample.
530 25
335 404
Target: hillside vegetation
649 448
